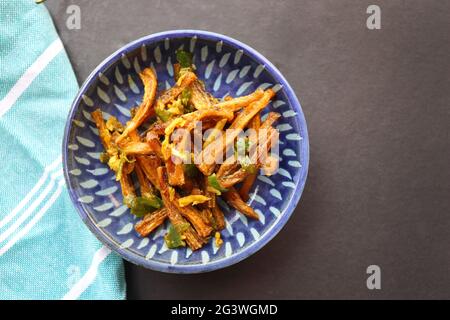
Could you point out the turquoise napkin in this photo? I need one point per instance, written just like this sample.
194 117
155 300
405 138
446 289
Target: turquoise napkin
46 252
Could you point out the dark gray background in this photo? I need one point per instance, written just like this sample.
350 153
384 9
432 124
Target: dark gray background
377 107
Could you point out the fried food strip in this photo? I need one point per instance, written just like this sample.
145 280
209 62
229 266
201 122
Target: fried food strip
218 147
137 148
234 199
151 221
144 184
194 216
182 83
267 136
194 239
157 128
176 70
270 120
215 132
219 219
176 155
235 104
255 123
156 177
148 165
247 185
229 165
211 195
145 110
207 213
234 178
175 173
187 121
103 132
257 159
127 187
154 143
248 182
200 98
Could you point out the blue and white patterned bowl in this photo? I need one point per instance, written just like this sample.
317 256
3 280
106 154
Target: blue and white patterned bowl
227 66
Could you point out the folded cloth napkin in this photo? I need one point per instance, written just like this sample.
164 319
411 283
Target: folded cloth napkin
46 252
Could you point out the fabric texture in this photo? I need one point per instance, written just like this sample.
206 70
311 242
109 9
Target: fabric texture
46 252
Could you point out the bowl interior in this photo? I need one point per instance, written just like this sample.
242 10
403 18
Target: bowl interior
226 68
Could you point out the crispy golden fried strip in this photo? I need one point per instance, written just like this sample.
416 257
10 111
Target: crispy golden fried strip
255 123
218 217
200 115
148 165
271 118
248 182
265 141
157 128
137 148
188 122
200 98
145 110
218 147
234 199
176 70
233 178
103 132
171 94
193 239
195 217
154 143
264 144
229 165
207 213
258 159
144 184
211 195
179 154
151 221
215 132
247 185
198 221
175 173
128 191
235 104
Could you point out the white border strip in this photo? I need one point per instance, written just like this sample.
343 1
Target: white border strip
30 74
89 276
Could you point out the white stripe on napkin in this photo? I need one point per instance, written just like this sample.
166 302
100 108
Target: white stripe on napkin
42 197
33 191
30 74
33 221
89 276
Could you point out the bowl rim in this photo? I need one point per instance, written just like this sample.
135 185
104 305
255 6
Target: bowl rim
129 255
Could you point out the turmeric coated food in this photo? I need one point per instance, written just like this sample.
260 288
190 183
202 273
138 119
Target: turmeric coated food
183 148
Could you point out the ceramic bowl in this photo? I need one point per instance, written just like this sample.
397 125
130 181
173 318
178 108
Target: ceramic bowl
227 66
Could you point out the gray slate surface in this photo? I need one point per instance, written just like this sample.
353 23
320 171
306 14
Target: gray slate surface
377 107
